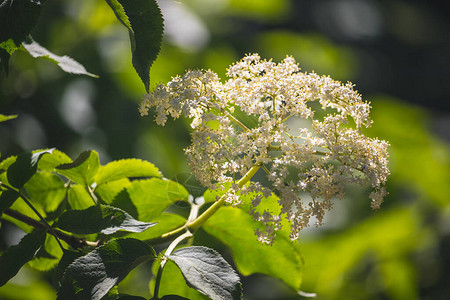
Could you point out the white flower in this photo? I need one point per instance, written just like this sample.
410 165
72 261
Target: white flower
320 159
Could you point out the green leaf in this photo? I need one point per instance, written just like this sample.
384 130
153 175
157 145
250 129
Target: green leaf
24 167
66 63
152 196
67 258
126 168
145 26
235 228
104 218
7 199
16 256
109 191
130 297
17 19
83 169
4 60
50 161
173 297
48 256
205 270
46 189
172 283
4 118
79 198
166 222
93 275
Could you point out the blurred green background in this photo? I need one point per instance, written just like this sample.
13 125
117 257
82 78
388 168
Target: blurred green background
396 52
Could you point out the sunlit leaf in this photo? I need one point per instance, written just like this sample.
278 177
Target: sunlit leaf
152 196
166 222
4 118
66 63
93 275
16 256
79 198
48 256
144 22
46 189
126 168
235 228
83 169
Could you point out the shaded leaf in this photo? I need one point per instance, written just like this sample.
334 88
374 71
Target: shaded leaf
16 256
83 169
172 283
93 275
66 63
145 23
173 297
235 228
4 118
67 258
7 199
105 219
126 168
130 297
24 167
17 19
205 270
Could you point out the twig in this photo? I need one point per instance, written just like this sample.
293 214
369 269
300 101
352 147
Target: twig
71 240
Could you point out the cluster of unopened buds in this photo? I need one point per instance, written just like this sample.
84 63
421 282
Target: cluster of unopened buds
303 130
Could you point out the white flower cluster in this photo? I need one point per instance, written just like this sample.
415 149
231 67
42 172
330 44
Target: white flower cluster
246 122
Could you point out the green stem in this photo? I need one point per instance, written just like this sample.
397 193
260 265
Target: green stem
168 252
198 222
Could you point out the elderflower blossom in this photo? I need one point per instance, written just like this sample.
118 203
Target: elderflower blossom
319 159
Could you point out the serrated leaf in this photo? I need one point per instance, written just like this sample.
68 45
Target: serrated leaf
48 256
67 258
79 198
166 222
50 161
205 270
145 23
172 283
7 199
4 118
103 218
66 63
16 256
83 169
17 19
24 167
93 275
46 189
235 228
126 168
152 196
